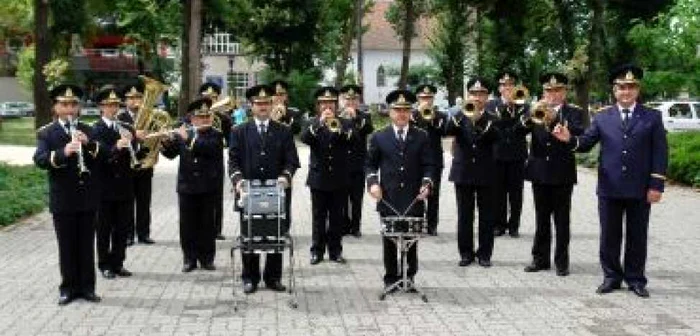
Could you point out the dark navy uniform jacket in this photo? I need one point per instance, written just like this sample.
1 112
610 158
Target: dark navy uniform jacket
253 158
435 129
473 162
400 173
328 161
357 153
115 173
68 192
201 161
633 159
511 145
552 162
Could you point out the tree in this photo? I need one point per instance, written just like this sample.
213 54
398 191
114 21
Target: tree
42 56
448 43
403 15
191 46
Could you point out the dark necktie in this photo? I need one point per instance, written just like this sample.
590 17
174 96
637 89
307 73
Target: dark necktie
402 141
263 133
625 117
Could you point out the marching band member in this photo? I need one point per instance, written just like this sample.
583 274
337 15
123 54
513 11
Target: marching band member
631 175
69 155
142 177
428 118
399 170
551 167
329 138
472 173
262 149
200 148
116 212
357 155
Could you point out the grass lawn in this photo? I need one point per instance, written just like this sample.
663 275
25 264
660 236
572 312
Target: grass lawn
20 131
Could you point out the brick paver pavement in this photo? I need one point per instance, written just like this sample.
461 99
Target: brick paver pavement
342 299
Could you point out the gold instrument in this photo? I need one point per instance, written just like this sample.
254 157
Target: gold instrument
469 111
151 120
426 111
278 112
223 106
521 95
83 171
333 124
543 114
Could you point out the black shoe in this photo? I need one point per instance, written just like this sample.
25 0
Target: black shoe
315 259
209 266
499 232
146 241
514 234
108 274
485 263
64 299
129 241
338 259
91 297
607 287
534 267
249 288
276 286
357 234
562 272
466 262
123 272
432 231
393 290
639 290
188 267
220 237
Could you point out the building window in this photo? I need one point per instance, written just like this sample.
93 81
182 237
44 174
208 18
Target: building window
381 76
220 43
238 82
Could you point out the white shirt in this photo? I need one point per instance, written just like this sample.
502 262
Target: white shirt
631 108
265 122
396 131
108 122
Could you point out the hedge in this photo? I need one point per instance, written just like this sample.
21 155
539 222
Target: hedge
23 192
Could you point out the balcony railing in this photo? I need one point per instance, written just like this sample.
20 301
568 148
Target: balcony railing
220 44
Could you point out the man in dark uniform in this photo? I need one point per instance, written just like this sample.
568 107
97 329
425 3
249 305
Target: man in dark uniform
399 170
357 155
116 212
551 167
472 173
510 152
631 175
212 91
63 147
428 118
143 177
329 138
280 99
262 149
200 149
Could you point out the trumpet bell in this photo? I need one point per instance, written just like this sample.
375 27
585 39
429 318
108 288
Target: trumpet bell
521 95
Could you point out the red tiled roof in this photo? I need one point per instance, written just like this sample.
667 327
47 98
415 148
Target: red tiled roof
381 36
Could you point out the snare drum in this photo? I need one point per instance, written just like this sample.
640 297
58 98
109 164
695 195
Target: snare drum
402 224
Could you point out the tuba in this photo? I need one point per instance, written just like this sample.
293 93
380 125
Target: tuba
151 120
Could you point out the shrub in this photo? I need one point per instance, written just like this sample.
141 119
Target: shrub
23 192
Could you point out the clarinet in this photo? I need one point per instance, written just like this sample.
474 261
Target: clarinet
83 171
135 164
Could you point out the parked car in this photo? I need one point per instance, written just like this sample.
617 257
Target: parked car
12 110
89 109
26 107
679 115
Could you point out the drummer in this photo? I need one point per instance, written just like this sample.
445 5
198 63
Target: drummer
393 178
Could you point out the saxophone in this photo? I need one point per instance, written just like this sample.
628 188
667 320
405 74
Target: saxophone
151 120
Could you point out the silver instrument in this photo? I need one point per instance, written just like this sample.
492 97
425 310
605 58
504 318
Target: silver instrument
83 171
125 133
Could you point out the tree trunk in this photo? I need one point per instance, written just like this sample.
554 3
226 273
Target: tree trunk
479 41
595 54
191 54
42 50
407 36
348 35
565 16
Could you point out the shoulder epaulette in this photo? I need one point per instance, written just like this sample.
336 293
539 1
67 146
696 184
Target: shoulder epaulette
42 128
602 109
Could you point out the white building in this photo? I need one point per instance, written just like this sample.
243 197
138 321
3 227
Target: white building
223 63
382 52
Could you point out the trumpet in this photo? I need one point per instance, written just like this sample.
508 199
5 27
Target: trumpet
125 133
348 113
426 112
543 114
333 124
83 171
469 111
521 95
278 112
